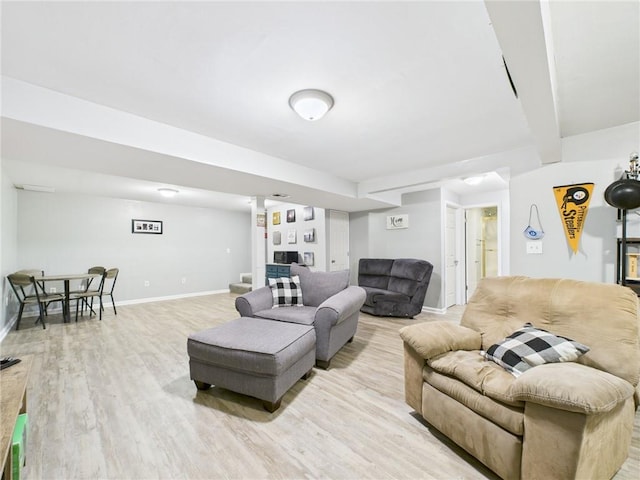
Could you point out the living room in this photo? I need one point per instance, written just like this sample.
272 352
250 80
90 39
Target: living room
105 154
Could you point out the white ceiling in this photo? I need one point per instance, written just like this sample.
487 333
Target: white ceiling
197 94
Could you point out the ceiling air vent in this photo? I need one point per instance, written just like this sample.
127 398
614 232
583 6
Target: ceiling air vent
506 69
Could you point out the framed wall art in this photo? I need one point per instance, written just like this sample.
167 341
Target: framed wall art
291 236
291 216
308 259
277 238
146 226
307 213
310 235
276 218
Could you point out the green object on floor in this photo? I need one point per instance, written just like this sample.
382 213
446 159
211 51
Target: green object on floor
18 445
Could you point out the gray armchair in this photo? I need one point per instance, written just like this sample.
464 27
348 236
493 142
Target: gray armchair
394 287
330 305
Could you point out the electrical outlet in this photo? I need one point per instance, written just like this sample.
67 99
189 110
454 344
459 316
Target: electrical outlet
184 280
534 247
146 283
53 289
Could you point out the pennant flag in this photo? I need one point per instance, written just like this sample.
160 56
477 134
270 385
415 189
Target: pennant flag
573 203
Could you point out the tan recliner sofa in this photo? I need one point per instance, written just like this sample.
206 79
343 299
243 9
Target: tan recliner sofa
570 420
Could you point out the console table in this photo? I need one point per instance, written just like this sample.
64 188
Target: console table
13 402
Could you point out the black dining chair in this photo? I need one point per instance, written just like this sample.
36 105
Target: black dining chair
84 301
109 284
82 297
30 292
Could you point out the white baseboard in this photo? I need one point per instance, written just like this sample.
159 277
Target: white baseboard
10 324
437 311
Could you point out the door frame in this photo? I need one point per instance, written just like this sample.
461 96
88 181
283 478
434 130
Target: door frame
500 244
459 246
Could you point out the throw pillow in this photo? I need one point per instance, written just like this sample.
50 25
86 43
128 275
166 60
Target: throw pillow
529 346
286 292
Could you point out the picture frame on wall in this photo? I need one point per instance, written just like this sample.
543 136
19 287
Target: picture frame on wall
291 216
276 218
310 235
308 259
261 220
307 213
291 236
146 226
277 238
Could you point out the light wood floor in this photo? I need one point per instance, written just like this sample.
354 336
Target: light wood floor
113 399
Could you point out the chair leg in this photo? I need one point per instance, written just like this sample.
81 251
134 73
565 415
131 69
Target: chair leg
101 307
19 316
113 303
42 314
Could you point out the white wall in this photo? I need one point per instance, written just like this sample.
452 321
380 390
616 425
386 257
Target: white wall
318 247
598 157
62 233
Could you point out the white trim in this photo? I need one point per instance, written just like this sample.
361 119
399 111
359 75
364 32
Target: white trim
168 297
9 325
437 311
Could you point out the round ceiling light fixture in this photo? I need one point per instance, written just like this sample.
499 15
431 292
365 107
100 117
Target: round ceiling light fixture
168 192
475 180
311 104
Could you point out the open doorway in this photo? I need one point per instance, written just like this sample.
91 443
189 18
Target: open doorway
481 246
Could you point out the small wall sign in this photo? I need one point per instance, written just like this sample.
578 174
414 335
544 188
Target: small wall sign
146 226
395 222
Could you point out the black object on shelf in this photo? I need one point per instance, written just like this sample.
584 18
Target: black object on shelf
6 362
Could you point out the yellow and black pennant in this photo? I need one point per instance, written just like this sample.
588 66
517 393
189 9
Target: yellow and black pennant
573 204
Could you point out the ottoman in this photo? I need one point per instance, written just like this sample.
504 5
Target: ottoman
253 356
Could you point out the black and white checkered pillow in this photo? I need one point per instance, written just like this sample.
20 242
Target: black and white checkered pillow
286 291
529 346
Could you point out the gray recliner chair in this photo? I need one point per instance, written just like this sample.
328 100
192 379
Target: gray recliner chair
395 287
331 305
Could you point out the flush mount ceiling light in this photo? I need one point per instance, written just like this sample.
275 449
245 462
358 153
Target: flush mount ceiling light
168 192
477 180
280 195
311 104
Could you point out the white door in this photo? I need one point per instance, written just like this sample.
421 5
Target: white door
451 257
338 240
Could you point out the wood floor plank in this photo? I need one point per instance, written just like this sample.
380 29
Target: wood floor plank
112 399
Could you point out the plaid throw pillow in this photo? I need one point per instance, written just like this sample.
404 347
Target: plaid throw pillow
529 346
286 291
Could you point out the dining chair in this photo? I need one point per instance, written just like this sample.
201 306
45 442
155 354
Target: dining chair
82 297
86 287
110 278
30 292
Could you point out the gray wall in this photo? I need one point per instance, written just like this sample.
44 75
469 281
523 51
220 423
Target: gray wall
598 157
64 233
595 260
8 247
369 237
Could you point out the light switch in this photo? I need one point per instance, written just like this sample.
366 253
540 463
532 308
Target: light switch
534 247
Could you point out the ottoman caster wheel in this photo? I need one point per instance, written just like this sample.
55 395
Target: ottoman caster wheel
202 385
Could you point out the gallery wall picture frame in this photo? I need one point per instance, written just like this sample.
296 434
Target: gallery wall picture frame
308 259
146 226
276 218
261 219
277 237
291 236
307 213
291 216
310 235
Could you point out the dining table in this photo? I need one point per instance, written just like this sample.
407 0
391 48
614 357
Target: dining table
66 279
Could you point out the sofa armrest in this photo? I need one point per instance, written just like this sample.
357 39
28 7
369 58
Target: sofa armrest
435 338
255 301
340 306
571 387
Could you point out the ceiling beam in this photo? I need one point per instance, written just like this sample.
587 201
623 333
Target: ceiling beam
520 29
